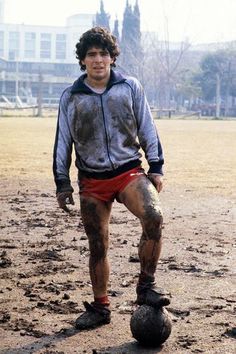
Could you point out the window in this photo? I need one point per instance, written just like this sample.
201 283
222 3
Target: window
30 44
1 43
61 37
14 45
60 46
45 46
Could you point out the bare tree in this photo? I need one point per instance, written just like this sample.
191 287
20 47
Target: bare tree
40 94
163 61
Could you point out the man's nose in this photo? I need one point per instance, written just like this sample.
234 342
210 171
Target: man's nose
98 58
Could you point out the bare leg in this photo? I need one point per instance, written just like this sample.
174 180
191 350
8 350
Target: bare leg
95 215
141 198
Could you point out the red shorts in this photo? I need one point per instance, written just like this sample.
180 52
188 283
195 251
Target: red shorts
108 189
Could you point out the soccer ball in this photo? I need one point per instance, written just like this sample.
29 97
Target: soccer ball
150 326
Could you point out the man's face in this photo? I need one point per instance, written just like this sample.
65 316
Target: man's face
97 62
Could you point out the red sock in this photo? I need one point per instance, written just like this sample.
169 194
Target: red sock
102 300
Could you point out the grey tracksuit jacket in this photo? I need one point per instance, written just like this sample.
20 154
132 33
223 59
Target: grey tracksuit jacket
107 131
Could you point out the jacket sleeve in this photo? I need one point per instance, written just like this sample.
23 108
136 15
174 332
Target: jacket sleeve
147 132
62 147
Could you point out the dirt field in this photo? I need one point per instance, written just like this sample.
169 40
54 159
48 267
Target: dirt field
44 251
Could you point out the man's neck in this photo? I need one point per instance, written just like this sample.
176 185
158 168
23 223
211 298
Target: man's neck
97 84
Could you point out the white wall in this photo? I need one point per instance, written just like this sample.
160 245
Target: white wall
76 25
2 7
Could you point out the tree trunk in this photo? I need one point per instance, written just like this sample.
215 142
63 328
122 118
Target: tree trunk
40 94
217 95
227 94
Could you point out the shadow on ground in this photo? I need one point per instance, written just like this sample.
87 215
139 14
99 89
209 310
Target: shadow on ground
49 342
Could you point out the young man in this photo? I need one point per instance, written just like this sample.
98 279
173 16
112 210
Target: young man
105 115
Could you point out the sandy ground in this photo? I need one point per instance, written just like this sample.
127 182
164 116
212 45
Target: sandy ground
44 251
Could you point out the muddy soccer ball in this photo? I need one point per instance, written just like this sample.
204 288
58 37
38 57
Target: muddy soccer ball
150 326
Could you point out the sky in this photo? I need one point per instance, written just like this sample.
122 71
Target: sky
198 21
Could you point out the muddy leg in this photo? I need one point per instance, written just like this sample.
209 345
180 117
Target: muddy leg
95 216
141 198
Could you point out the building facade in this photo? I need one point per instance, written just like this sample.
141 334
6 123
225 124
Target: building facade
39 59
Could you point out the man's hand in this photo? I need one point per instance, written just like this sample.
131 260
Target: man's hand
64 198
156 181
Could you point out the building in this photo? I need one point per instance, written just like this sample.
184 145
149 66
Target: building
38 59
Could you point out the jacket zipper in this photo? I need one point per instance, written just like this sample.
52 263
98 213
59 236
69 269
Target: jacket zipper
104 122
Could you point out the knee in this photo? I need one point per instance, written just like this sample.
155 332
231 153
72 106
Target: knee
153 221
153 216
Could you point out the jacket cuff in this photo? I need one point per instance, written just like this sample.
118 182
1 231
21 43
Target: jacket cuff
156 167
64 186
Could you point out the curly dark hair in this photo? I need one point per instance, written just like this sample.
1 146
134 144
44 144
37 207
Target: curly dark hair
98 37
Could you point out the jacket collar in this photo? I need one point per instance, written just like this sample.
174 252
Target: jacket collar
80 87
